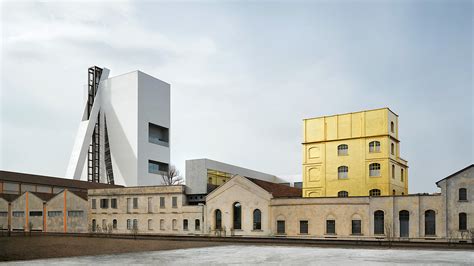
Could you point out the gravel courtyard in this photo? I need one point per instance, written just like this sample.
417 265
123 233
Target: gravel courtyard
275 255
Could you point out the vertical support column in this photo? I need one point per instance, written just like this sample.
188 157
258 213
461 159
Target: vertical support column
64 211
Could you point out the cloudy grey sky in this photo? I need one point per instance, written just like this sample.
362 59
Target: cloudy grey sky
244 75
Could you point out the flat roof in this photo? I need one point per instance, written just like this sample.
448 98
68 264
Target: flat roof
376 109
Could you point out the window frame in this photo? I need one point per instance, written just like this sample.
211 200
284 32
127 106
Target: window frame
375 170
374 146
462 221
462 194
257 219
342 150
343 172
342 194
330 224
304 227
359 226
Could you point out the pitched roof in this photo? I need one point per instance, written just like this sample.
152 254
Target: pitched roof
80 194
9 197
51 181
460 171
277 190
43 196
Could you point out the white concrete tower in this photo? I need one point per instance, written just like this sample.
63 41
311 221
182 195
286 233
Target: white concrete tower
124 134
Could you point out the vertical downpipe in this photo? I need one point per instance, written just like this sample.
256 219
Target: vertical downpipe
27 211
44 217
64 212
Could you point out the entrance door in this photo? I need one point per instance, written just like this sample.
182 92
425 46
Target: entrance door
404 217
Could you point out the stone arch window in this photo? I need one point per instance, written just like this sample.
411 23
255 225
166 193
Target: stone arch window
237 215
342 172
150 224
402 177
393 171
392 127
174 224
462 194
404 219
374 169
185 225
162 224
374 146
342 149
379 224
430 223
392 149
393 192
218 219
197 225
94 225
374 192
462 221
257 219
114 224
343 194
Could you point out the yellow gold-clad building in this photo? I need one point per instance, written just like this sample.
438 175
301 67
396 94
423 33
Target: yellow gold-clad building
354 154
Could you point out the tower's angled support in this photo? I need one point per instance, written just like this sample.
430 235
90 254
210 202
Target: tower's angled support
85 145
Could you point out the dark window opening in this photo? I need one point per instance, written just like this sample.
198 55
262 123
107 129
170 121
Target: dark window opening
280 227
462 194
218 217
430 223
104 203
257 219
330 227
379 223
155 167
36 213
158 135
237 217
356 227
462 221
303 227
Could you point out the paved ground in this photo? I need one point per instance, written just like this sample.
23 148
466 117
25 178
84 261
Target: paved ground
38 247
276 255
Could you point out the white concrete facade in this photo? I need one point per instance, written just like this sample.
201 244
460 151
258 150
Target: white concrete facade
127 103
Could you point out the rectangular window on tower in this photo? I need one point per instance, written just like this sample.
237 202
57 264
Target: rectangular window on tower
158 135
157 167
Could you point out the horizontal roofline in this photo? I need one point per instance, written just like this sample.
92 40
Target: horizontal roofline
352 113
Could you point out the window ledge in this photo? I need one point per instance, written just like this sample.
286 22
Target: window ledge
463 201
357 234
329 234
257 230
303 234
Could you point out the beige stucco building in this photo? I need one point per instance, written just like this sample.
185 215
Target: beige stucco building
440 216
244 206
148 210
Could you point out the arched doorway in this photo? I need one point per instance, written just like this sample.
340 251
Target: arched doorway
404 217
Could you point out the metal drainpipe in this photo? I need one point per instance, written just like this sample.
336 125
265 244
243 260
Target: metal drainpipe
446 210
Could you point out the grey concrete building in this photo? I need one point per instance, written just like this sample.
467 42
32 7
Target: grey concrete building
204 173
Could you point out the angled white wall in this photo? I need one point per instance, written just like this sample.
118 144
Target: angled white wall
128 103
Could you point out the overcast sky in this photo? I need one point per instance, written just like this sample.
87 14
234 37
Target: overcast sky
244 75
